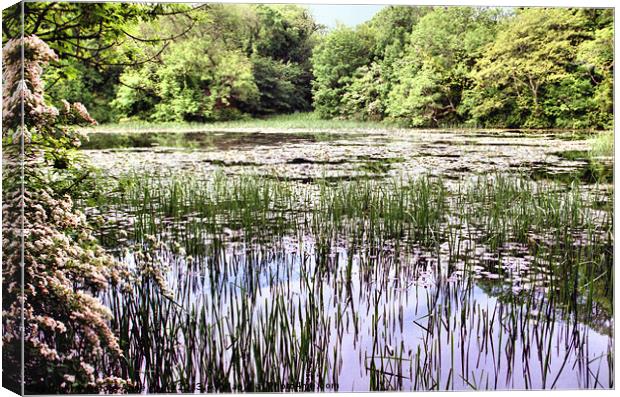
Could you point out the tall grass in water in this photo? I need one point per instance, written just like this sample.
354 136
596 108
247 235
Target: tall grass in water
492 283
603 144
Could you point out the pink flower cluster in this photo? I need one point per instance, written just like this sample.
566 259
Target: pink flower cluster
29 90
66 328
27 87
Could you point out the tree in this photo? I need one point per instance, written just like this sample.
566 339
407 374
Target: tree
391 28
531 76
596 59
433 71
243 50
363 97
281 86
88 32
287 34
212 86
87 38
334 61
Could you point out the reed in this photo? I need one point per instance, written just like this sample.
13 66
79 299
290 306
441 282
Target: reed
270 285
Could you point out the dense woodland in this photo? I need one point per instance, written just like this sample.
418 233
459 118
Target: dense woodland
410 66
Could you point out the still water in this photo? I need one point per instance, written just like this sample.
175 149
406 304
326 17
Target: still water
310 308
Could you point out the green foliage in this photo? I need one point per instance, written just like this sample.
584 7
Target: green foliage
206 87
285 33
78 82
335 60
366 95
433 72
418 97
85 32
596 57
86 36
235 60
434 66
411 66
136 94
278 86
363 98
531 75
391 27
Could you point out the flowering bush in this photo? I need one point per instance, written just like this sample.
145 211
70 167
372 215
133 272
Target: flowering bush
52 265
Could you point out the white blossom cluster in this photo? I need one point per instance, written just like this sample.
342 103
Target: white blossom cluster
68 343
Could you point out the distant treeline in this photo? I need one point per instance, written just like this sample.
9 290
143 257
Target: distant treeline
532 68
413 66
235 60
175 62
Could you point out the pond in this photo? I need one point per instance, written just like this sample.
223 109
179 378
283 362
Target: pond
359 260
308 154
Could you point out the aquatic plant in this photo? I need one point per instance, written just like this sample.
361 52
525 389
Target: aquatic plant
603 144
397 284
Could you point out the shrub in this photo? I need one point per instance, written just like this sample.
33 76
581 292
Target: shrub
68 345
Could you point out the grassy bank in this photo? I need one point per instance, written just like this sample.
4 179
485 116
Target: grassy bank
309 120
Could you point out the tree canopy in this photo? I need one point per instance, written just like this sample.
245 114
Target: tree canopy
415 66
442 66
540 72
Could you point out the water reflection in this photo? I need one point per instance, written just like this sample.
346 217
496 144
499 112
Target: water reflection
378 318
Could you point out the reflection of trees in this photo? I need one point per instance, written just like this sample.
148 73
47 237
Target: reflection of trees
592 306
